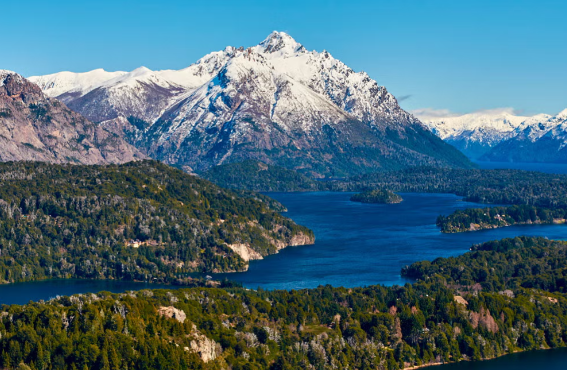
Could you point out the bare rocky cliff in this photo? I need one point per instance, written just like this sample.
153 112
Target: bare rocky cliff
38 128
247 253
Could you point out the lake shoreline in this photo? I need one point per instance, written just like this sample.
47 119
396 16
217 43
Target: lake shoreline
440 365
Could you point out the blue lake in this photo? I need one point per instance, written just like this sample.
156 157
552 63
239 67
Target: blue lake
364 244
356 245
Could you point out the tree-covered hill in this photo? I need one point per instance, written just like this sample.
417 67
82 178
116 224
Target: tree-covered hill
377 327
483 186
137 221
503 264
258 176
473 219
377 196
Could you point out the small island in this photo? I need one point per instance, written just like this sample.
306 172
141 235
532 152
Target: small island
377 196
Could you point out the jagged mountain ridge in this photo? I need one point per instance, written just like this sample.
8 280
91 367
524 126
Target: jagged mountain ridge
35 127
275 102
502 136
541 138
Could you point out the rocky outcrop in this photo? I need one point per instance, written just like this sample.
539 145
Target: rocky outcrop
248 254
172 313
207 348
483 319
460 300
301 239
37 128
245 252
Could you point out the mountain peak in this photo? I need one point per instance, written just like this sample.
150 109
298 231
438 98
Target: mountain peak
4 73
280 43
562 114
140 71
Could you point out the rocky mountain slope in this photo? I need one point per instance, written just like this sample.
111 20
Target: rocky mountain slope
36 127
275 102
504 136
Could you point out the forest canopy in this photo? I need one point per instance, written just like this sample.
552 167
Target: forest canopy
137 221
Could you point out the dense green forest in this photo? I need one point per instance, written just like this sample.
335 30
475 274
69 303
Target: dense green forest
137 221
536 197
377 196
473 219
456 310
498 265
257 176
482 186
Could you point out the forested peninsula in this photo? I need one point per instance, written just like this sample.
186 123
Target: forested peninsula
140 221
525 197
500 298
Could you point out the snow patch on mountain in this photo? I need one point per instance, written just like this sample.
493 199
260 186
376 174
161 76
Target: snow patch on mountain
56 84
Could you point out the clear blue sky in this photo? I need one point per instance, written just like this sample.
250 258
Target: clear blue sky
457 55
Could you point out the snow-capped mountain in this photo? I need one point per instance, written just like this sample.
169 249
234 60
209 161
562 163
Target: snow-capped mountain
35 127
541 138
500 135
475 133
276 102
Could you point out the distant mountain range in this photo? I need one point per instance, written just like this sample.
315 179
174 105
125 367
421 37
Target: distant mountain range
502 136
36 127
275 102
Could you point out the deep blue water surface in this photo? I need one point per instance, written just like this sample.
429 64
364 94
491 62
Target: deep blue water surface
363 244
356 245
21 293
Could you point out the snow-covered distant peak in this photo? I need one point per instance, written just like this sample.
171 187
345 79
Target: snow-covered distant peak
494 123
140 74
542 124
280 44
67 82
